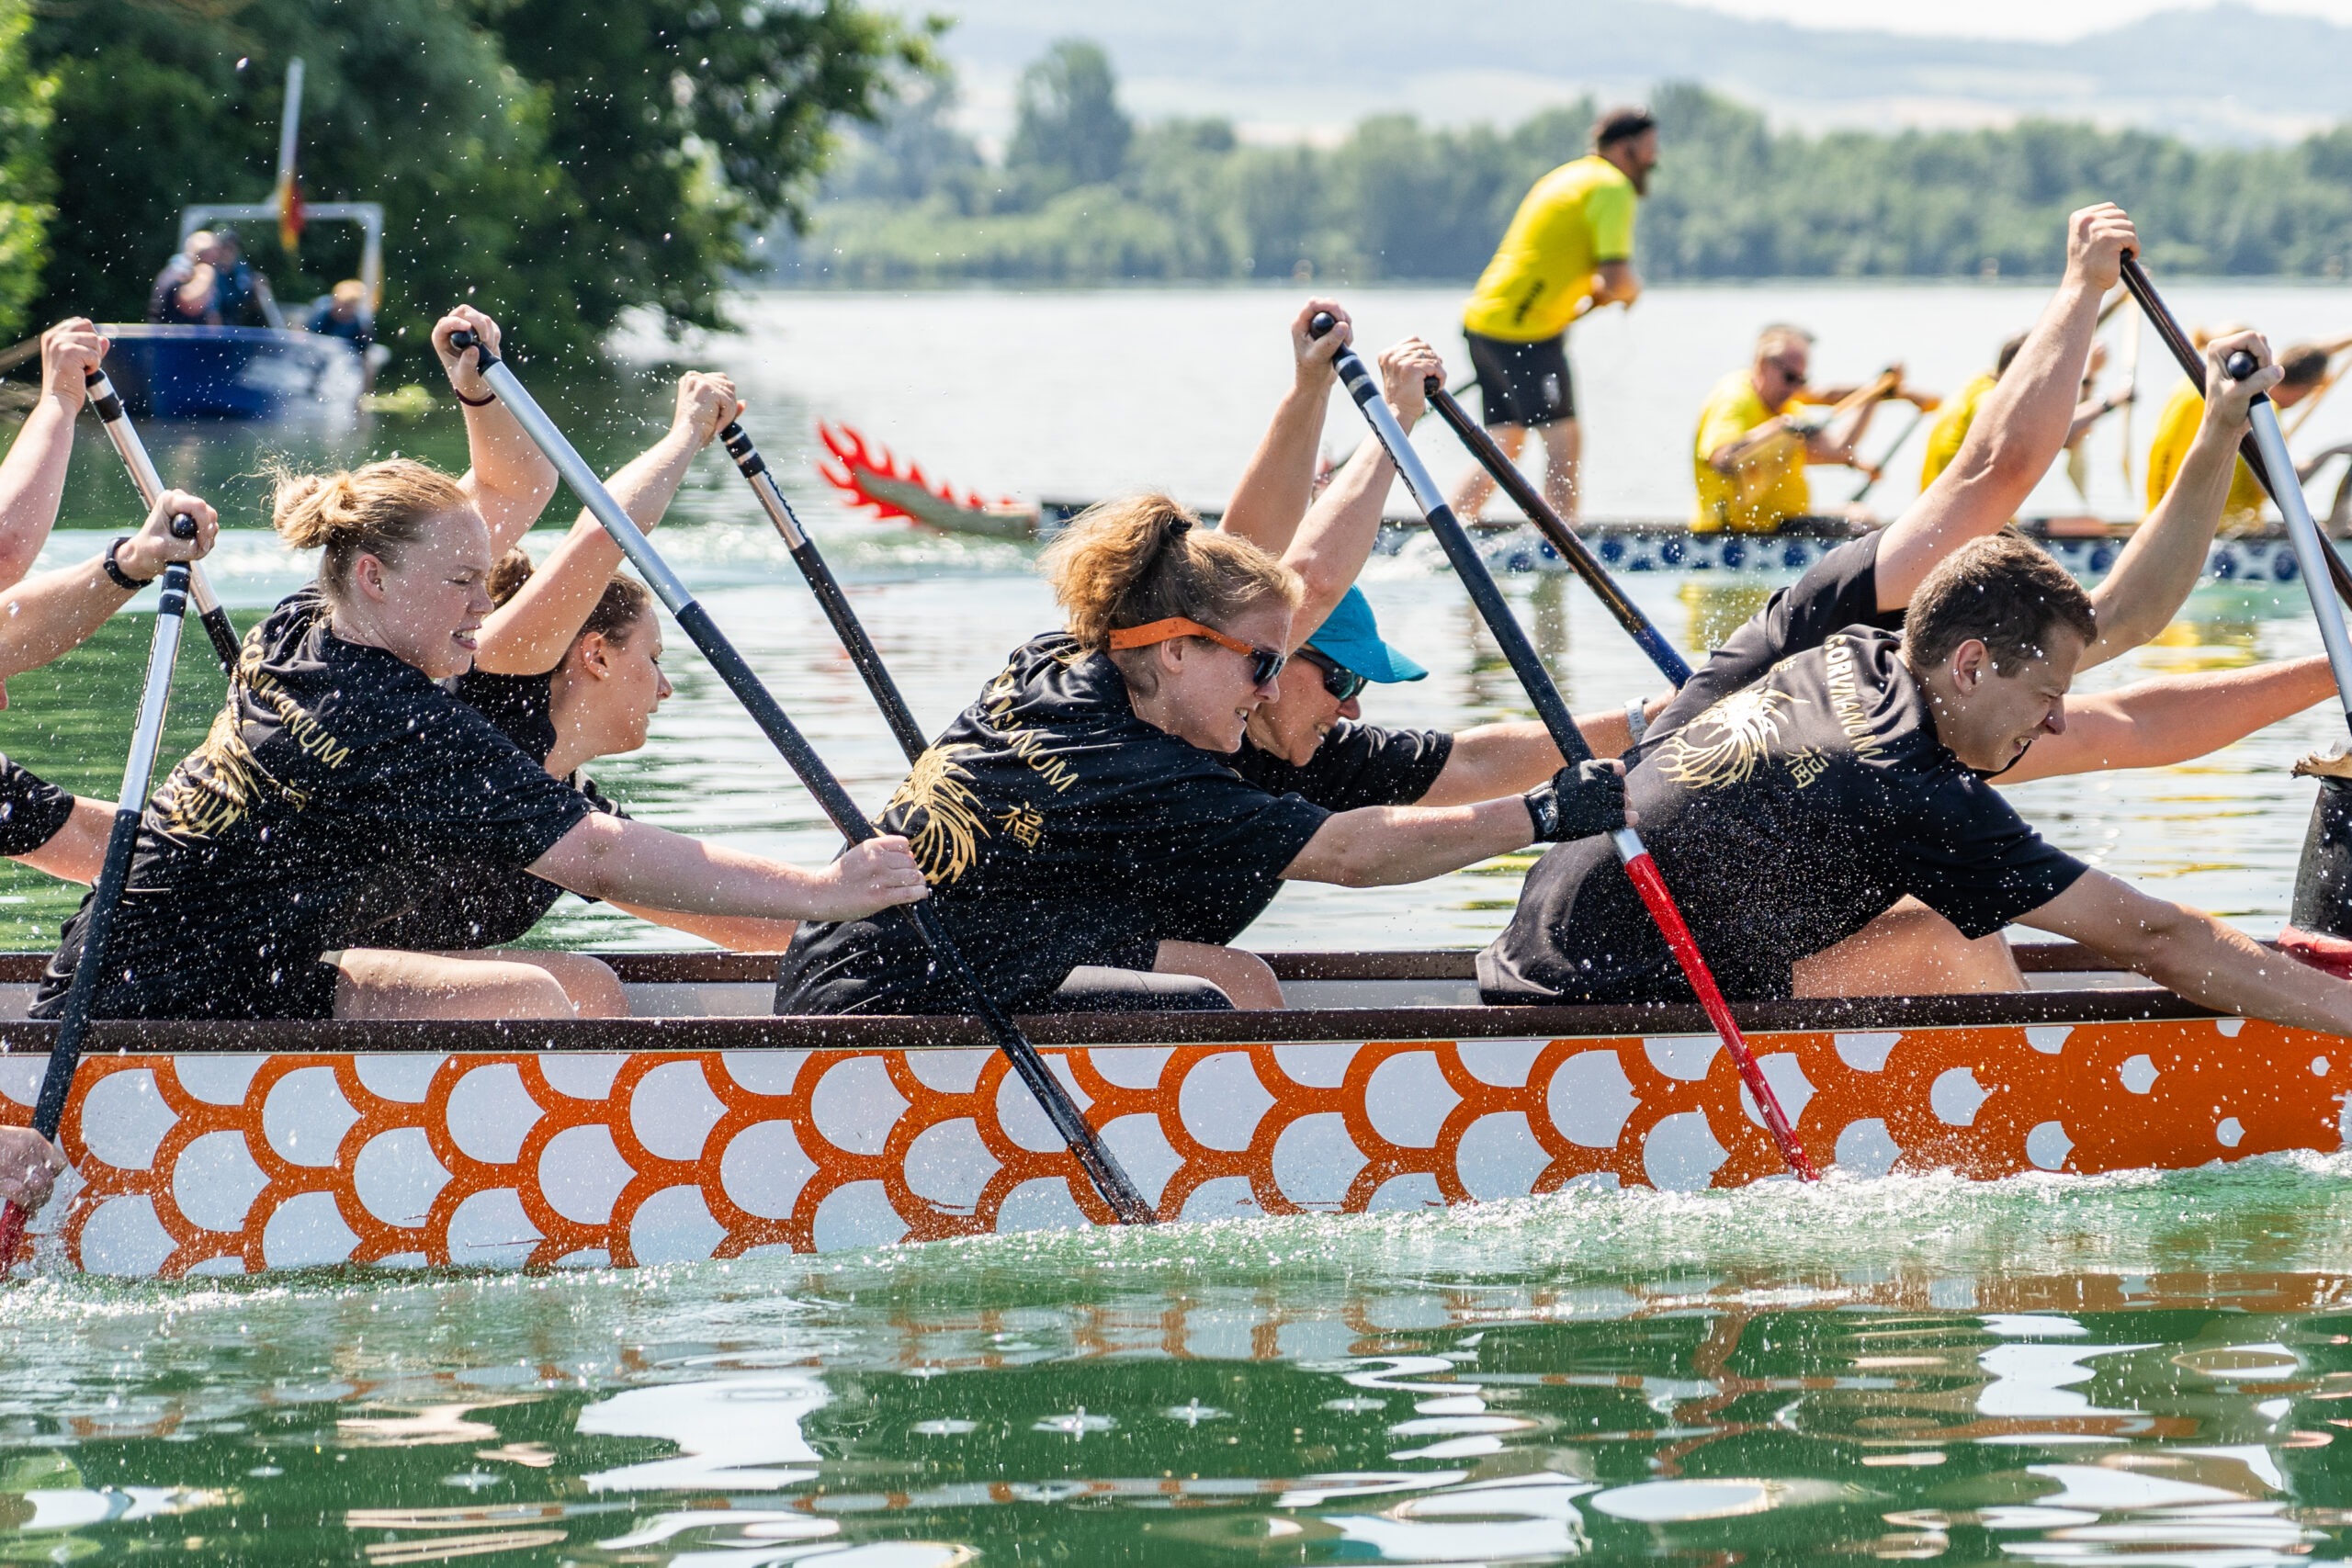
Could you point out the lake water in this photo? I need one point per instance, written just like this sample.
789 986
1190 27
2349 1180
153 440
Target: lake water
2142 1369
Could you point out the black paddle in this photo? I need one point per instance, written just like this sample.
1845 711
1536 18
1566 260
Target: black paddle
138 771
1100 1168
828 589
2192 365
1556 532
1537 683
218 628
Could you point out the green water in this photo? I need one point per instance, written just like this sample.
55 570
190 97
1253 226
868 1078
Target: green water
2107 1371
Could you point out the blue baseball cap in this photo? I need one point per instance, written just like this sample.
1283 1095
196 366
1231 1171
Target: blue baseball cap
1350 636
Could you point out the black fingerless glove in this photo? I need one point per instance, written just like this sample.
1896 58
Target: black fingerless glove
1580 801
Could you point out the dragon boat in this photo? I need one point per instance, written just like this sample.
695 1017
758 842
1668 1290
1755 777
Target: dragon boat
702 1127
870 477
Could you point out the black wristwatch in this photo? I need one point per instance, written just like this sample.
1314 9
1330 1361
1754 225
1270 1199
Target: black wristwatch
122 579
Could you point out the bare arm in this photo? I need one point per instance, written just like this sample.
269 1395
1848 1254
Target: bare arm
45 618
2153 723
2160 565
1274 489
511 480
529 634
1615 283
2195 955
737 933
1380 846
32 478
635 862
2022 422
1495 759
75 851
1337 538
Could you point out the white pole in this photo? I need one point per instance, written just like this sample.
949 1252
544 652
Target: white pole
290 125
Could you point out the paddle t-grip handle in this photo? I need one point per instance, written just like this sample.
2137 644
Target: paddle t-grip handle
2240 365
183 526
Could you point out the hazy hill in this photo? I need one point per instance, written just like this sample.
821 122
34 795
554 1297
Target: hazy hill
1311 67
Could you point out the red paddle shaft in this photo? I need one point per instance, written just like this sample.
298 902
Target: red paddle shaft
1644 872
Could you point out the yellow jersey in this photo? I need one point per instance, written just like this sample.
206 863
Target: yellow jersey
1575 218
1950 428
2175 428
1763 492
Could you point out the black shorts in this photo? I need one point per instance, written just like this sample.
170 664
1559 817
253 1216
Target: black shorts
1523 383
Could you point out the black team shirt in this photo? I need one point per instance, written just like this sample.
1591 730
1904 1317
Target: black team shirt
1059 829
473 904
1794 791
331 763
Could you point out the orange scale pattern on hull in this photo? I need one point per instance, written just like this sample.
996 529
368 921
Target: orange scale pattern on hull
536 1159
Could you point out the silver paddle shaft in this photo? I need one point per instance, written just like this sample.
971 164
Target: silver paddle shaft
2310 557
584 484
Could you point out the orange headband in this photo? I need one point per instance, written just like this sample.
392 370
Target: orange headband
1168 630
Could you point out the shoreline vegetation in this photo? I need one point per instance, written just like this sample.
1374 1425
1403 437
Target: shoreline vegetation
1085 196
555 174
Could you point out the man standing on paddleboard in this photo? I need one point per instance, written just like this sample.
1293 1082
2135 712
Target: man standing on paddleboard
1569 250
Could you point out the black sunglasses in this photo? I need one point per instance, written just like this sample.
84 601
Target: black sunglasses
1338 679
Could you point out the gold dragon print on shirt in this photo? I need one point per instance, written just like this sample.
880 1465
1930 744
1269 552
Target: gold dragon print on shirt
1728 742
948 842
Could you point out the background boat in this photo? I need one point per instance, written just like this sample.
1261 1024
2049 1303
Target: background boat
260 373
868 476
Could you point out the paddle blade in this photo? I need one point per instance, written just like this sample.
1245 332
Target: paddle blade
12 1235
1652 887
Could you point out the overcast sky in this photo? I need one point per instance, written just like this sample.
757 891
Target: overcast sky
1988 18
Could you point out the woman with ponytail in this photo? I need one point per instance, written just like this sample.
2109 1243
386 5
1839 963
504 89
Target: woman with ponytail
340 752
1080 825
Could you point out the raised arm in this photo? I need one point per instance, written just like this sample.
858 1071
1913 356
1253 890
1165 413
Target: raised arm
2154 724
1276 487
625 861
45 618
2194 955
529 634
1337 538
511 480
2023 421
32 478
2160 566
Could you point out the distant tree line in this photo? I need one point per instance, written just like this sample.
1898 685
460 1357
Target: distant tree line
557 161
1084 194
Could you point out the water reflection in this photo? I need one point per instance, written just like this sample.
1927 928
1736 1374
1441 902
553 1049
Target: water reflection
2147 1369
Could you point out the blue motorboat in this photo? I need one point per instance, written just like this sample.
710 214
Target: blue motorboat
199 372
266 372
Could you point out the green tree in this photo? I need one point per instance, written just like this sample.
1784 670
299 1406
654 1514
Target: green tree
1069 130
25 184
679 125
165 102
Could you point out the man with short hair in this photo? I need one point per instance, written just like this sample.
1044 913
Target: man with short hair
1569 250
1759 428
1792 815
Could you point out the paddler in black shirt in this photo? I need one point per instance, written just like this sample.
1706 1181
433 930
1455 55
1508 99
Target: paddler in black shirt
1794 812
1081 819
340 751
569 668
